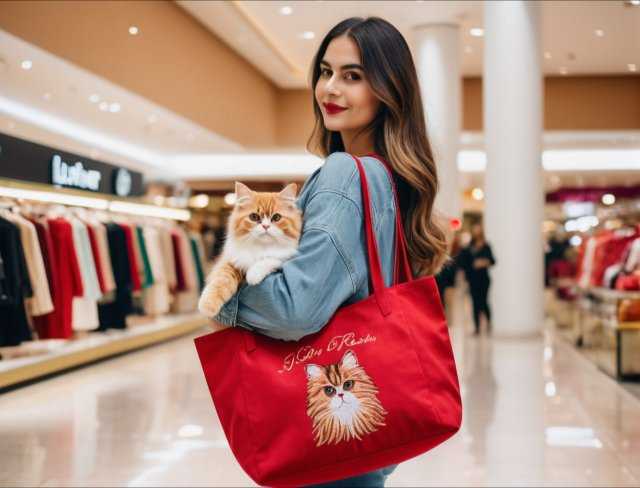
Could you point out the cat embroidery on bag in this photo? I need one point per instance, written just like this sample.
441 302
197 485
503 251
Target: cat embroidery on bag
342 401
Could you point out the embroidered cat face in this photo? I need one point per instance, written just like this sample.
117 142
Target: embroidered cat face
265 217
342 401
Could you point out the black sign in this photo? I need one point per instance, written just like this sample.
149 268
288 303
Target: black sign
27 161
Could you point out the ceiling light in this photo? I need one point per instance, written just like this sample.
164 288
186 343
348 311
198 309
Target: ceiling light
114 107
199 201
308 35
286 10
47 96
133 30
599 32
104 106
564 71
632 66
230 198
476 31
635 3
547 55
26 64
95 98
608 199
477 194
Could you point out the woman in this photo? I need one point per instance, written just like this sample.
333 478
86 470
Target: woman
366 100
476 259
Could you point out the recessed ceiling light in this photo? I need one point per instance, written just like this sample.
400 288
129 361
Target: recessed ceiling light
635 3
26 64
114 107
608 199
564 71
133 30
468 49
632 66
95 98
47 96
476 32
599 32
547 55
308 35
104 106
286 10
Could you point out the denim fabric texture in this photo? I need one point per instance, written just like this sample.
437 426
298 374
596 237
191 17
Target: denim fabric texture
330 269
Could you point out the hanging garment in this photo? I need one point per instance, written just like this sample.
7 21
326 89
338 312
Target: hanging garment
197 259
168 258
40 303
180 280
156 297
114 314
85 308
105 261
97 259
187 299
137 250
131 255
44 324
14 326
69 281
147 273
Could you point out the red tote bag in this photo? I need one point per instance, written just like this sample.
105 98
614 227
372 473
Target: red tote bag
376 386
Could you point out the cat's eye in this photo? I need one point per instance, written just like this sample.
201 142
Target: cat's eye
254 217
329 390
348 385
275 217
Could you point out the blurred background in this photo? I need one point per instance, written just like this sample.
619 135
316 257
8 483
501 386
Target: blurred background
129 122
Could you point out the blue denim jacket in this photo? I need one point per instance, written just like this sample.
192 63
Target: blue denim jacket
330 268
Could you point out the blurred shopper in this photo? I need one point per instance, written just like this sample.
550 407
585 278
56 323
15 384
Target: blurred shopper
476 259
446 278
366 103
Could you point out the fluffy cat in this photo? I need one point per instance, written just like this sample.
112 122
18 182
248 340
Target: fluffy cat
342 401
263 231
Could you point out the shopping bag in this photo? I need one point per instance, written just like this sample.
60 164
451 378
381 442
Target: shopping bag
376 386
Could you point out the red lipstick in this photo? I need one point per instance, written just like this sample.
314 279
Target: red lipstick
333 109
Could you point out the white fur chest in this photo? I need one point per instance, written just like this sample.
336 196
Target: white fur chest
244 254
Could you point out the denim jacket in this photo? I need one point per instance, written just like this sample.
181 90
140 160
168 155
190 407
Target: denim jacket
330 268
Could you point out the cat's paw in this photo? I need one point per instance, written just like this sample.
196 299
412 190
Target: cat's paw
209 304
255 274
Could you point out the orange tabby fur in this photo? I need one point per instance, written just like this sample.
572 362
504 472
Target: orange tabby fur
253 248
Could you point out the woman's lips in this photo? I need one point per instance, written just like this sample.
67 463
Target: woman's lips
333 109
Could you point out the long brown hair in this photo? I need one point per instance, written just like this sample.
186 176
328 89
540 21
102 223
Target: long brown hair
399 131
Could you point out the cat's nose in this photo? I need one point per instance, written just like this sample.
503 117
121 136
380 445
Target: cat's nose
265 226
340 395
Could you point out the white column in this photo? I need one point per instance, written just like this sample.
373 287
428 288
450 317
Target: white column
514 199
437 52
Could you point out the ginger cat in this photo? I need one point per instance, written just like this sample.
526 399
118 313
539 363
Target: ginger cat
263 231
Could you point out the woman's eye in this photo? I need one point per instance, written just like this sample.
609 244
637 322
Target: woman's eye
329 390
325 71
275 217
352 76
348 385
255 217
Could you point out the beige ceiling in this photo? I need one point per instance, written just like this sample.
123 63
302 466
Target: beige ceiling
271 41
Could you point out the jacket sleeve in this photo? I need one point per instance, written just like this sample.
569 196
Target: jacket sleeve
302 296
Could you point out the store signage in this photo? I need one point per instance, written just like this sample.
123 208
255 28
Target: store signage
122 183
74 175
27 161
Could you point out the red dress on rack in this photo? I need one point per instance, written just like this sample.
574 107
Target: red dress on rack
66 274
133 269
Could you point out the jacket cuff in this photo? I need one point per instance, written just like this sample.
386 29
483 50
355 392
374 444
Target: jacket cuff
229 312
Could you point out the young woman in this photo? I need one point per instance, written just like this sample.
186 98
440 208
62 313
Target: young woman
366 103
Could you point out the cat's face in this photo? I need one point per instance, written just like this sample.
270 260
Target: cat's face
342 401
266 217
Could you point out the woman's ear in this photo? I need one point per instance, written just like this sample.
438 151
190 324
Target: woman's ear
289 192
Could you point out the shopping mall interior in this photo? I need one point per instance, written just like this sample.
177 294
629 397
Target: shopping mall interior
123 129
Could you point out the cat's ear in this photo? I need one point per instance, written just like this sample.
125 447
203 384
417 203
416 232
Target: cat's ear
313 371
289 192
243 192
349 360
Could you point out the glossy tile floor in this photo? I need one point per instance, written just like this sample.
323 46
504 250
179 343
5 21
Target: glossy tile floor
536 413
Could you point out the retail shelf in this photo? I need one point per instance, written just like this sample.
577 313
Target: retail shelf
53 356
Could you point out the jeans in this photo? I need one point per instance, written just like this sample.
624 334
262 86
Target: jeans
373 479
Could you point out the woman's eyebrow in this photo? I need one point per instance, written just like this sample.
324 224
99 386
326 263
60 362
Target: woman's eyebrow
346 66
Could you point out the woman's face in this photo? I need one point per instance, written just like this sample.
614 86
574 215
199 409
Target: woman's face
342 91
